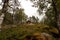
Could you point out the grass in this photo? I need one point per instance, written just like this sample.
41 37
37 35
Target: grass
18 32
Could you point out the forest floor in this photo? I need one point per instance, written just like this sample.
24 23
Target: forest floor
13 32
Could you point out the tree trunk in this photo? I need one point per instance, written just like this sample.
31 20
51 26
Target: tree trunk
4 8
56 16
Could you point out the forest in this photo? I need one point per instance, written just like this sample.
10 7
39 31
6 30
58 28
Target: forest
29 19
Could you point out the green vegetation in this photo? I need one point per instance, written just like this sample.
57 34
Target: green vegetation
51 24
19 32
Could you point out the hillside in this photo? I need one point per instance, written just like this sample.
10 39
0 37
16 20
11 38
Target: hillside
19 32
